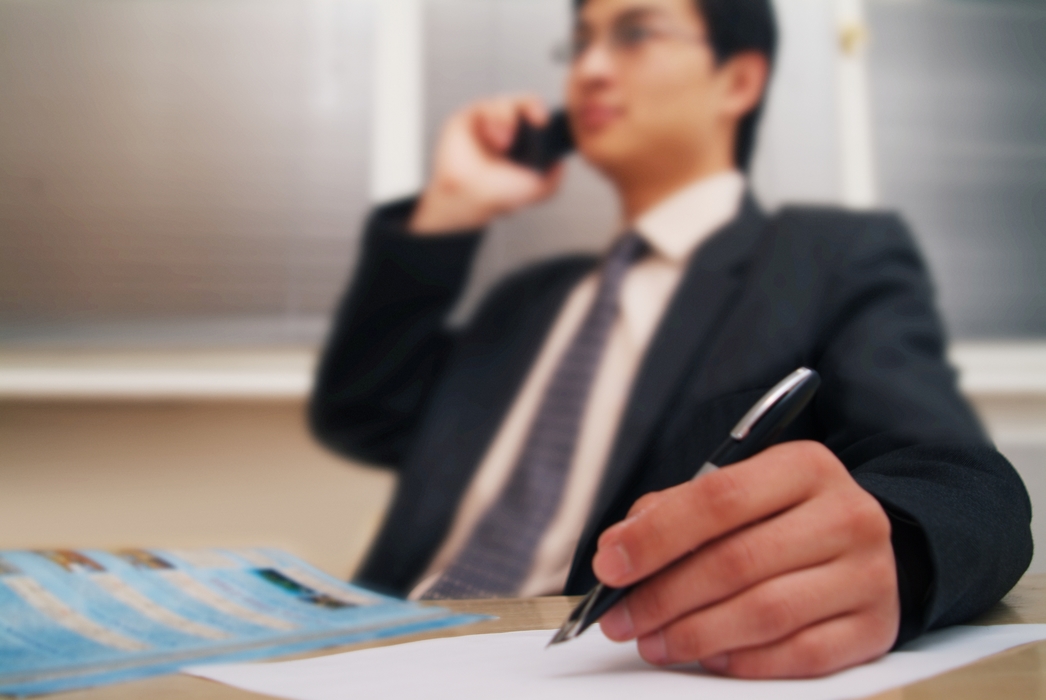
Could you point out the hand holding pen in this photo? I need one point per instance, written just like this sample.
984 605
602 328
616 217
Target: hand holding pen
780 564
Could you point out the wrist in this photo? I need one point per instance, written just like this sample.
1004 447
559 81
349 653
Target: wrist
446 207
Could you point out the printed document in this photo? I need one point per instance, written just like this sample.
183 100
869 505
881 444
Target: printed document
76 618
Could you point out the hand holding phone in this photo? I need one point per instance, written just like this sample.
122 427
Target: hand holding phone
474 176
542 147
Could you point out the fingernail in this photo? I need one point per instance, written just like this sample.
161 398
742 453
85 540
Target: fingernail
617 623
717 663
612 563
652 648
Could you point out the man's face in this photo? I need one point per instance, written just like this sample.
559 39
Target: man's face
642 90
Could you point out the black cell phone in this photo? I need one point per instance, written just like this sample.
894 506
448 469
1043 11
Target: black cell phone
541 148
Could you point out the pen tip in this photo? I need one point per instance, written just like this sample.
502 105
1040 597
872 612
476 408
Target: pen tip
575 623
563 634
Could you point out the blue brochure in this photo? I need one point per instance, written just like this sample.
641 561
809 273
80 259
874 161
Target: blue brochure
77 618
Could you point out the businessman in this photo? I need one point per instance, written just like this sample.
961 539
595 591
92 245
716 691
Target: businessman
549 441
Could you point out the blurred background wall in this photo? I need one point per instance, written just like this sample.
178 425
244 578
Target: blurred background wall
163 160
182 184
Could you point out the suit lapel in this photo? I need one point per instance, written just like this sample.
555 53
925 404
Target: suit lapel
711 282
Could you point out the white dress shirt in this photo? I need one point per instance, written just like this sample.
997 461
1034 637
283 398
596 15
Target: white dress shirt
674 228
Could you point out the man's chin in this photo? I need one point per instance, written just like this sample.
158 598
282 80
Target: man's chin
609 158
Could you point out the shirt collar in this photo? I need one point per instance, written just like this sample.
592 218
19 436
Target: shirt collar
678 224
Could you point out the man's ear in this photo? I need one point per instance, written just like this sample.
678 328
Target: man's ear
743 77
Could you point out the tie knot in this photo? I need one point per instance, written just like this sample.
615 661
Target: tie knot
627 249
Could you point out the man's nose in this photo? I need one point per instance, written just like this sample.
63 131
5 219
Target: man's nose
596 62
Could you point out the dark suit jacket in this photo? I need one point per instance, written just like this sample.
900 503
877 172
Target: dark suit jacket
846 294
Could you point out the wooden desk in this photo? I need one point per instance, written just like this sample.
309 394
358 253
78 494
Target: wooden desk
1016 674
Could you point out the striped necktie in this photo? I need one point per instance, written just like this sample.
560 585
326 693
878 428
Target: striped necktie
499 554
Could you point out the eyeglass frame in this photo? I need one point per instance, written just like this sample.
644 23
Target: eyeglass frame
570 51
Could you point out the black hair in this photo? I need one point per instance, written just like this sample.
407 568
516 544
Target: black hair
735 26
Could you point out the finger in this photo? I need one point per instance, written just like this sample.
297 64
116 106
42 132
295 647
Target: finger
808 535
704 509
533 109
500 116
496 121
814 651
773 610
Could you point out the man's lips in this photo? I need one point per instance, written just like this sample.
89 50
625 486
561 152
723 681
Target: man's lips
594 117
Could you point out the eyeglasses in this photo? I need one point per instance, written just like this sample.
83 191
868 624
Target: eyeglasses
625 39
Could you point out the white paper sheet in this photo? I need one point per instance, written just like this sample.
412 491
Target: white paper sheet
517 665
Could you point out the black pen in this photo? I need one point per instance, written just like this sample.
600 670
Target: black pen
758 428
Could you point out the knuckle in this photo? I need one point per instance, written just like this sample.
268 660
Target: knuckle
754 663
721 493
649 606
820 451
757 664
651 537
773 615
820 458
852 518
868 521
811 654
736 559
819 464
687 642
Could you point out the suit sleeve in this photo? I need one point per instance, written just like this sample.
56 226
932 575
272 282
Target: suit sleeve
893 414
389 339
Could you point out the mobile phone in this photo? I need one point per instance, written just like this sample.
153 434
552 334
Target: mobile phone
542 147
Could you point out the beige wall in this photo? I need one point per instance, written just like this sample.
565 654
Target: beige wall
181 474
